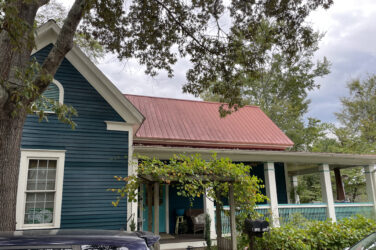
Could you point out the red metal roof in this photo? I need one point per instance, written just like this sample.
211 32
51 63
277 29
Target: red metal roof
197 123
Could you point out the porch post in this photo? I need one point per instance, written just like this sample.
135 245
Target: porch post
339 185
232 217
167 208
369 172
326 189
156 212
132 207
141 202
150 206
288 184
209 209
294 182
271 192
218 218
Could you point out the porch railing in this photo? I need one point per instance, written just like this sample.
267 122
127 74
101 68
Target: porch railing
312 211
344 210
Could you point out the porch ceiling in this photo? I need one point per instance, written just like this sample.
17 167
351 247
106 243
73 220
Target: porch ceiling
297 162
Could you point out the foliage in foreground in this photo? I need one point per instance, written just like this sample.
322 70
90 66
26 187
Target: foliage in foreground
318 234
195 177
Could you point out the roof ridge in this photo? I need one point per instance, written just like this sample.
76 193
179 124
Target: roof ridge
186 100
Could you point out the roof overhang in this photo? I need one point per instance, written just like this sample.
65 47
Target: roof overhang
297 162
48 33
208 144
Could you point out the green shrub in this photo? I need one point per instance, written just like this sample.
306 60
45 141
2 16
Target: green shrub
317 234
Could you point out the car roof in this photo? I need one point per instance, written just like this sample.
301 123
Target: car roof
132 240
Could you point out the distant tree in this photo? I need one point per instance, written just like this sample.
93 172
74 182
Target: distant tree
57 12
358 114
356 133
280 87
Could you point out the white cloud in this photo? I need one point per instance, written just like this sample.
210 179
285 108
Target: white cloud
350 45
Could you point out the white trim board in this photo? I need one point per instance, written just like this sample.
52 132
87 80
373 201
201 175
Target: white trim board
48 33
61 90
132 165
27 154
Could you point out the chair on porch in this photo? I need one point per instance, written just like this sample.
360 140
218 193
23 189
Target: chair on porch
197 218
198 223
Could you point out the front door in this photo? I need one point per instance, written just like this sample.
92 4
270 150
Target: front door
162 209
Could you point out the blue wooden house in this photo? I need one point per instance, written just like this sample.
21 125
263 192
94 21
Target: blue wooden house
65 173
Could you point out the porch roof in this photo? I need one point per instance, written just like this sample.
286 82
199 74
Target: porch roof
298 162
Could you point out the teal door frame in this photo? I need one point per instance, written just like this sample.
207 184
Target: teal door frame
162 210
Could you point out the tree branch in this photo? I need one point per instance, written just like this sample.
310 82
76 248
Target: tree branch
185 30
62 46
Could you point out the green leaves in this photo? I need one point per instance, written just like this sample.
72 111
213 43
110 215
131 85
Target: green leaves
195 177
226 42
358 114
318 234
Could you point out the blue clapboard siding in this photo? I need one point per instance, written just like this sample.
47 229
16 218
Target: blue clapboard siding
52 92
93 154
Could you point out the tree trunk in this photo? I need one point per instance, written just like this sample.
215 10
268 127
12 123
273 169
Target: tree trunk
10 140
15 57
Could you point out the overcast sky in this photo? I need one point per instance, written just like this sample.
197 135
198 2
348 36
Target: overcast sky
349 44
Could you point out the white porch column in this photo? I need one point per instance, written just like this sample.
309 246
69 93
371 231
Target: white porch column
288 184
132 207
326 190
210 210
271 191
370 184
294 184
167 208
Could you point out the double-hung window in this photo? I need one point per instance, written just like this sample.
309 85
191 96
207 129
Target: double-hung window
40 189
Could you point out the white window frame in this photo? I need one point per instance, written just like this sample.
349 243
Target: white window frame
26 155
61 96
61 90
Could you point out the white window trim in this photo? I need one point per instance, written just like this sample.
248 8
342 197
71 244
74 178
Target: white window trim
61 91
132 164
61 95
27 154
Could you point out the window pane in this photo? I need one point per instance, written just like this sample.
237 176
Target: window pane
42 175
33 164
42 164
52 164
32 179
39 208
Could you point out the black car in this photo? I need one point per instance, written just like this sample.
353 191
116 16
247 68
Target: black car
88 239
368 243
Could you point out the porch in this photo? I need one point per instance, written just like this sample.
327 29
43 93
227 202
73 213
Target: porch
279 171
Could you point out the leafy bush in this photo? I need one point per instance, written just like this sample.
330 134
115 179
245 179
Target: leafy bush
317 234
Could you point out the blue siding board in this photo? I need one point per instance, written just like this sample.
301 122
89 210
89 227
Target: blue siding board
93 154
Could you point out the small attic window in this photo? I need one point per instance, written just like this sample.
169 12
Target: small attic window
55 92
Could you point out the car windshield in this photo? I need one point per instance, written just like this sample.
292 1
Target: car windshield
368 243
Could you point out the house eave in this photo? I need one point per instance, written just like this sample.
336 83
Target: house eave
165 152
209 144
